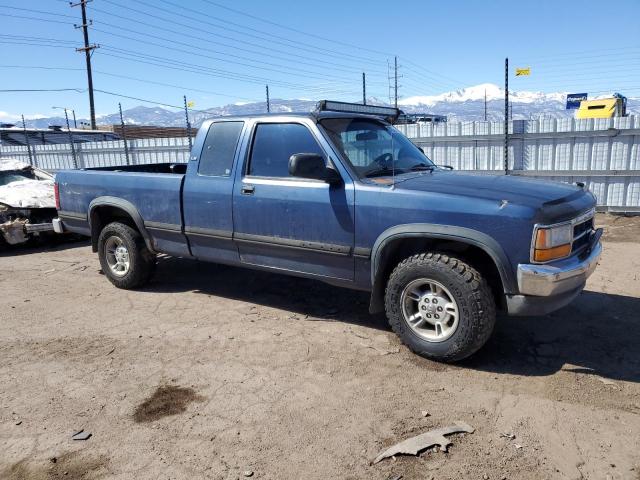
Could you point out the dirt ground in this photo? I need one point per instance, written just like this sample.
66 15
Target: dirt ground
217 372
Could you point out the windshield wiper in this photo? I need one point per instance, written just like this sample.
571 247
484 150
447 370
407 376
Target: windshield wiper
421 166
376 172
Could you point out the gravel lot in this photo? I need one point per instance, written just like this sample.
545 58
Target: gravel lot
217 372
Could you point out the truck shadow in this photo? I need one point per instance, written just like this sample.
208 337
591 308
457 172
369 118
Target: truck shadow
302 296
597 334
49 243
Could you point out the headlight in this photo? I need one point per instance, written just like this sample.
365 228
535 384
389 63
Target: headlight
552 243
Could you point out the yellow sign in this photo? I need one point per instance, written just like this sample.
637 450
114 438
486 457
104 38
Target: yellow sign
521 72
191 104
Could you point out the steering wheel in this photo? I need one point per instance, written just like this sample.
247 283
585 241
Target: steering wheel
384 160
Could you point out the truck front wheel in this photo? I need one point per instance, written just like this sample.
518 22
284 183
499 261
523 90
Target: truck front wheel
440 306
124 257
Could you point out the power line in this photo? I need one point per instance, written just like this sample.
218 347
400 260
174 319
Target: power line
142 80
254 46
180 87
306 73
338 42
36 11
200 70
226 73
79 90
264 35
24 37
32 44
36 18
161 28
428 72
579 53
143 100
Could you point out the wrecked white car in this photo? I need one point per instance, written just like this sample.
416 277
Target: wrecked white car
27 201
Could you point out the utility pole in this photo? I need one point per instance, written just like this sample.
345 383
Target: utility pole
506 116
124 135
268 102
485 104
186 116
395 84
87 49
26 140
364 88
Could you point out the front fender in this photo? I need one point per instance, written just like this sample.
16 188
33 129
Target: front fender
443 232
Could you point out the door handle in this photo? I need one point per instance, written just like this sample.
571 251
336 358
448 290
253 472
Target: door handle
247 189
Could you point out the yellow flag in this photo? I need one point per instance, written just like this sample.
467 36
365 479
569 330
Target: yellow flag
191 104
522 72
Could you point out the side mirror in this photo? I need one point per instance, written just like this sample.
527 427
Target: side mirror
312 165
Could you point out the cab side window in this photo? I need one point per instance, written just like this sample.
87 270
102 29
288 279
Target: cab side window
219 149
274 143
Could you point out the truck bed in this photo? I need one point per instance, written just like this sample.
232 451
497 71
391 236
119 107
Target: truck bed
152 191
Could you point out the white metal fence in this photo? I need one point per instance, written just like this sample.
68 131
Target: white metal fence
102 154
603 153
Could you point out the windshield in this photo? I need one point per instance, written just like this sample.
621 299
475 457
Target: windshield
8 177
374 148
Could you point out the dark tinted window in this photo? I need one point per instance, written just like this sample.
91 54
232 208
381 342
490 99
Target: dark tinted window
274 143
219 149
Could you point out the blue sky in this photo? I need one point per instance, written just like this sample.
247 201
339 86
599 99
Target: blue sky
219 51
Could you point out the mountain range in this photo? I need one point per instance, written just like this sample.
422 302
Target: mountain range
460 105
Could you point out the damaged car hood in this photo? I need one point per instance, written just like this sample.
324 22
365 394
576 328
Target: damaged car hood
19 191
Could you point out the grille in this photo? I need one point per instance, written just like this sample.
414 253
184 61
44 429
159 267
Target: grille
581 234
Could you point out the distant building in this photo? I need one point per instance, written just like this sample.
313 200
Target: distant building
147 131
13 135
406 118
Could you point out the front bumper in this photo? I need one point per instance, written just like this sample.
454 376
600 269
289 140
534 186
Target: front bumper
558 277
546 288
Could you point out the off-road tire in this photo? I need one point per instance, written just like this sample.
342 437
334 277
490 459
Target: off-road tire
142 261
476 305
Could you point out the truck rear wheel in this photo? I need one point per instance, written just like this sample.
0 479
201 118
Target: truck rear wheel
439 306
124 257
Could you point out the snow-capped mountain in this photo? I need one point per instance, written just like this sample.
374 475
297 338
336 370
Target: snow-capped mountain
464 105
478 92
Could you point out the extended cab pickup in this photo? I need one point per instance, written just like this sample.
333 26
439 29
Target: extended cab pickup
347 199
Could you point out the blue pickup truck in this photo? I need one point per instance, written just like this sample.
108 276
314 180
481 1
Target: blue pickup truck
345 198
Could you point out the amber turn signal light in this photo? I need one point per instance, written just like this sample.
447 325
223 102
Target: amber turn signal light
548 254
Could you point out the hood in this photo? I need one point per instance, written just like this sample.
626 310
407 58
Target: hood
28 194
7 164
549 202
522 191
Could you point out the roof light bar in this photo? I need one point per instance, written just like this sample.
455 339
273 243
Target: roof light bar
345 107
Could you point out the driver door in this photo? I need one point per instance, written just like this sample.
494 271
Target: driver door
292 224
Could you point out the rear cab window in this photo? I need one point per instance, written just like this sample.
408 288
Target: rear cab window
273 145
219 149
